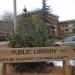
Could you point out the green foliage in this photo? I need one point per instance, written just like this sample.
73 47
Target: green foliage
51 64
29 34
15 41
29 66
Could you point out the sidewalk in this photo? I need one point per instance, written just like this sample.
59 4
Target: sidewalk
4 44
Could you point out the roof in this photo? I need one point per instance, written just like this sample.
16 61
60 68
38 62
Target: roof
67 21
40 11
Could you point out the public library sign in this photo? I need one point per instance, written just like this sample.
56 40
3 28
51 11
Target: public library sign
35 54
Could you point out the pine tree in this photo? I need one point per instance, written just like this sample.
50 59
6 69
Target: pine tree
45 11
29 34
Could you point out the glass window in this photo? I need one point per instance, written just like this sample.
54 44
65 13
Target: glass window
70 30
68 39
73 30
73 38
66 29
51 30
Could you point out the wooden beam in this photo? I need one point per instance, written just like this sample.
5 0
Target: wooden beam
67 68
35 54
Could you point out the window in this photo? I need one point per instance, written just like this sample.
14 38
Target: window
66 29
68 39
73 38
73 30
51 30
70 30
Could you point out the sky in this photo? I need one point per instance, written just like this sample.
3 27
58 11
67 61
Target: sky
65 9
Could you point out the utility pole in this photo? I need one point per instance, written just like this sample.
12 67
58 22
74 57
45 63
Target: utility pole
15 20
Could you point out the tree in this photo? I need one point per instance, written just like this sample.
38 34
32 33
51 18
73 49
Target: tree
7 16
29 34
45 11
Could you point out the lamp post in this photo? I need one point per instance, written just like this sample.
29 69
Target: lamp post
15 20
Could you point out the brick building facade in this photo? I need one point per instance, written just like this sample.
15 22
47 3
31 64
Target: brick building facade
63 28
52 21
67 28
5 29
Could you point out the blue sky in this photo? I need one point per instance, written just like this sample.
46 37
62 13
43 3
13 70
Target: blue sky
65 9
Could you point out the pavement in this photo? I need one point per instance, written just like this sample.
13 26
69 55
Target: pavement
4 44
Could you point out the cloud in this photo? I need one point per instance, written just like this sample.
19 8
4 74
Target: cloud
30 4
63 8
6 5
